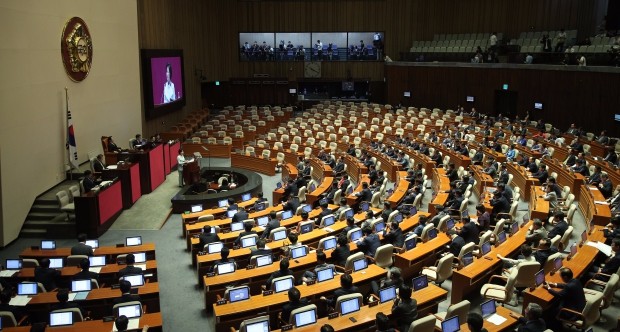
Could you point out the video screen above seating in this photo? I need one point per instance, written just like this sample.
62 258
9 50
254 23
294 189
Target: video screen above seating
311 46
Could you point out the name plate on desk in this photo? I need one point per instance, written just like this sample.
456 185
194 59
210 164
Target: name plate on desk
236 247
311 282
333 315
195 236
249 267
120 245
191 222
224 231
210 274
202 253
287 327
268 240
267 292
373 303
220 302
34 247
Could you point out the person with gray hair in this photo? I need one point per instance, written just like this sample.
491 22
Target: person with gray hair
394 278
532 321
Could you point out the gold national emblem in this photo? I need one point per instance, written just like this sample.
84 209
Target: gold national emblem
76 47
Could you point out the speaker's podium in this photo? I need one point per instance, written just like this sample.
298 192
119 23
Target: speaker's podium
191 172
97 210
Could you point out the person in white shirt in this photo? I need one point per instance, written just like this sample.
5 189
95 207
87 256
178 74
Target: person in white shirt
510 264
169 92
319 49
581 62
560 40
493 41
528 59
181 161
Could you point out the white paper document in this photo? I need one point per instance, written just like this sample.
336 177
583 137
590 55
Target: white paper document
8 273
496 319
20 300
602 247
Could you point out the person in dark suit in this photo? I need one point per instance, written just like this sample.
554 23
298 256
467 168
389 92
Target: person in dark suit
342 251
372 174
544 251
404 309
542 175
451 173
241 215
457 242
387 210
232 205
294 302
393 278
207 236
325 211
605 186
394 234
365 195
112 147
369 243
571 296
273 223
89 182
85 273
283 271
290 189
346 287
503 175
126 296
560 227
469 232
5 299
499 203
612 264
383 323
532 321
259 250
223 258
82 248
595 178
247 230
350 225
259 200
130 269
63 302
45 275
98 164
291 204
612 230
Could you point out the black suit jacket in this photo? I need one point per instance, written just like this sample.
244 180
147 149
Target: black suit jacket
278 274
405 312
129 270
559 229
290 306
86 275
571 295
46 276
259 252
612 264
82 249
541 256
369 244
242 234
340 255
88 184
342 291
470 233
206 238
395 237
365 195
240 216
98 166
532 325
126 298
456 245
271 225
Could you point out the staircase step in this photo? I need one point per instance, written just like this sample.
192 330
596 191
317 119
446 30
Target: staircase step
33 233
43 215
44 208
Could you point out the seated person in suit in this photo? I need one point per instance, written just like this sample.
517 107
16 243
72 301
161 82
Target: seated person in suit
544 251
457 242
273 223
223 258
207 236
45 275
90 181
5 299
259 200
343 206
63 302
112 147
612 230
606 186
536 233
139 142
130 260
422 223
469 232
560 227
475 322
394 235
342 251
365 195
240 216
532 321
85 273
290 189
247 230
393 278
291 203
294 302
325 210
126 296
346 287
387 210
292 243
383 323
283 271
404 309
82 248
350 225
321 263
612 263
570 294
369 243
232 205
98 164
526 256
259 250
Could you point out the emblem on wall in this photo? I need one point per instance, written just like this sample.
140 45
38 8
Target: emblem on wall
76 47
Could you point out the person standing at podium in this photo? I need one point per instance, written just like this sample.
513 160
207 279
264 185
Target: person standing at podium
180 162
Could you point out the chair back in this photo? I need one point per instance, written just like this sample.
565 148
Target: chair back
116 306
591 312
29 262
302 194
337 195
206 217
8 319
302 309
77 313
384 256
566 237
74 191
525 274
346 297
442 224
499 227
275 230
608 291
424 234
467 248
444 268
375 201
343 213
460 309
349 263
63 198
549 263
322 240
75 260
391 216
275 280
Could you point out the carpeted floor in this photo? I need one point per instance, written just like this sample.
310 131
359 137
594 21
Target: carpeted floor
182 302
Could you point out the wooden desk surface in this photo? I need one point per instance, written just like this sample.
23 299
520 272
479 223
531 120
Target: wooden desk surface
28 273
521 179
214 211
323 188
153 320
507 325
412 262
366 315
261 302
599 213
95 294
148 248
400 190
468 278
539 208
257 164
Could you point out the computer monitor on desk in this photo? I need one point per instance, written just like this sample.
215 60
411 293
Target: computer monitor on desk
451 324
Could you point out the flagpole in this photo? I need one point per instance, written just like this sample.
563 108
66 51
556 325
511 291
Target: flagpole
67 132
